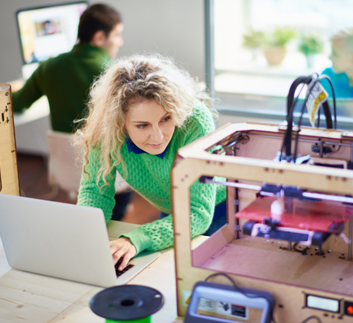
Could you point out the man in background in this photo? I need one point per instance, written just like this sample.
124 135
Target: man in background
66 79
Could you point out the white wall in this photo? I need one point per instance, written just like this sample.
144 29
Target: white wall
171 27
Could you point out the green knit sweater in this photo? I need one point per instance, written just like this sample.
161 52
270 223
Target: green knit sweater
149 175
65 80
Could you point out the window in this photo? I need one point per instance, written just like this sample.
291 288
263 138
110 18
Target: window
262 46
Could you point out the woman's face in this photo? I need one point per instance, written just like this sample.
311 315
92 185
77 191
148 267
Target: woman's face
149 126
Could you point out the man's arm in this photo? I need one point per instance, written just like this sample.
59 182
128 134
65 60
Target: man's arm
28 94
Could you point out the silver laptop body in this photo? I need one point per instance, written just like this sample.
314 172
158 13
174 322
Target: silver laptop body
61 240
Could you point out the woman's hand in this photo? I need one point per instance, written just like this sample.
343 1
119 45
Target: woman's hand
122 248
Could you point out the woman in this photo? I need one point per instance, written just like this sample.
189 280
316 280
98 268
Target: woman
141 111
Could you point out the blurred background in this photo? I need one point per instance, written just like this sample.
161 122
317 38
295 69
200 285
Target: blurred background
173 27
261 46
248 52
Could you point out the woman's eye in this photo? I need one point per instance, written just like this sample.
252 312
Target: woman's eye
141 126
166 119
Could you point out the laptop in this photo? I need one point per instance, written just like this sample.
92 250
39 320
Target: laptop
62 240
47 31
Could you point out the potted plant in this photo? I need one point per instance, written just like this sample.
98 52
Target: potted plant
274 44
253 40
309 45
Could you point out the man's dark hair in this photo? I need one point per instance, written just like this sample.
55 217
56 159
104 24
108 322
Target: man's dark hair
97 17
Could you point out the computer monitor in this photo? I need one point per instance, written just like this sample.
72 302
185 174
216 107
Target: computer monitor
47 31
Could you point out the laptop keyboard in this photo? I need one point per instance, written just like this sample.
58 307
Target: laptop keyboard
120 272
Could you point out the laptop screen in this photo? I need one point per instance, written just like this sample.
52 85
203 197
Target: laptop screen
48 31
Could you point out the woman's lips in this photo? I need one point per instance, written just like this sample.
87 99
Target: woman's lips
156 146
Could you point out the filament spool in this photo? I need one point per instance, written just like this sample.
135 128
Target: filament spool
127 304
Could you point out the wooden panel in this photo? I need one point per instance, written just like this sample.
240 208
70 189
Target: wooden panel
255 147
270 260
220 238
9 183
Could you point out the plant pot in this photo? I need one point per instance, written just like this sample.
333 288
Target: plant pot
274 55
310 60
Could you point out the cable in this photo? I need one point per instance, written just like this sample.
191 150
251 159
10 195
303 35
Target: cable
300 119
290 110
335 151
303 252
323 76
312 317
237 288
334 102
318 118
228 277
290 114
291 106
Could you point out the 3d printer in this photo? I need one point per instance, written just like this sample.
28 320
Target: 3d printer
289 218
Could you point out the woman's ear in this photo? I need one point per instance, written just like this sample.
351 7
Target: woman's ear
98 39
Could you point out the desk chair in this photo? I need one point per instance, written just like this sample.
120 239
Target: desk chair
65 165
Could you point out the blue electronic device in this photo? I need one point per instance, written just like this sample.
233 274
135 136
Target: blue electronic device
218 303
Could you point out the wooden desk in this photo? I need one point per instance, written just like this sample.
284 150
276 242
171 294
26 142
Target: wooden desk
27 297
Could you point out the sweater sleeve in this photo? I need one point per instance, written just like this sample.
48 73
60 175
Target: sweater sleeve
101 195
30 92
159 234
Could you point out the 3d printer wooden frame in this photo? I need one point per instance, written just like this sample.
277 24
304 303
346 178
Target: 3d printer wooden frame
259 263
9 183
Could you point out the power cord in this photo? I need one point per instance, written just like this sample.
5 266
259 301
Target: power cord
290 110
286 144
250 296
290 119
312 317
300 119
303 107
323 76
303 252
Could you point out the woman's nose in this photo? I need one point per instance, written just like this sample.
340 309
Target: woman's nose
157 135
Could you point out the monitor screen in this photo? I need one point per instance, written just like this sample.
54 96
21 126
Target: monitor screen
48 31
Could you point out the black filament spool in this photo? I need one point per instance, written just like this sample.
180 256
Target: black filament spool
126 302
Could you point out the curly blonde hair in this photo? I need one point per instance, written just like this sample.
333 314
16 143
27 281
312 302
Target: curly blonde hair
127 81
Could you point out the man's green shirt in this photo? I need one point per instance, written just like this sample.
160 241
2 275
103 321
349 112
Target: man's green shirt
65 80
